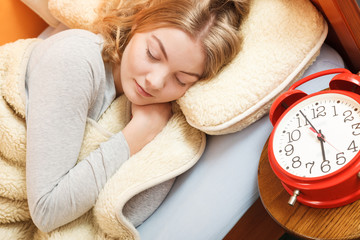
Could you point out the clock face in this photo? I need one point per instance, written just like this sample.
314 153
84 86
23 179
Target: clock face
318 136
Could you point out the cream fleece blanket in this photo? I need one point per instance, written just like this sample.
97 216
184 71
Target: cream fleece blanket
176 149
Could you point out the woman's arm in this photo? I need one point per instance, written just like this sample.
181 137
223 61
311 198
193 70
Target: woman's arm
61 90
62 87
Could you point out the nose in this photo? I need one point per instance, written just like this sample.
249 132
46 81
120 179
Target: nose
156 79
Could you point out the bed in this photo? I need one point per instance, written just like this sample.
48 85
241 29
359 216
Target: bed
209 199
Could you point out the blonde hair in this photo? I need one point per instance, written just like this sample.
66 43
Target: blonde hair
216 23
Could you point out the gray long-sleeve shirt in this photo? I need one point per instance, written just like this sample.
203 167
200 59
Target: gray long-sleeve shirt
66 83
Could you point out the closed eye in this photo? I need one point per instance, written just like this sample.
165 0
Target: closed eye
180 82
150 55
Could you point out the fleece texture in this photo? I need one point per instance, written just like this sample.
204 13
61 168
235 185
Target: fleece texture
173 151
281 40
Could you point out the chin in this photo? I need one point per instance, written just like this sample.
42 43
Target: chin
135 99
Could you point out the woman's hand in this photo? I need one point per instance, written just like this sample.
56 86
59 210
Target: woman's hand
147 121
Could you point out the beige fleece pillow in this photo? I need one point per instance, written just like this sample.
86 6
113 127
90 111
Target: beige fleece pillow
280 42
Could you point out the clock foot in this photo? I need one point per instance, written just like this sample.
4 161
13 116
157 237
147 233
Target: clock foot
292 199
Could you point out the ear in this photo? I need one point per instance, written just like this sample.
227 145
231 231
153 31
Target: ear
283 102
346 81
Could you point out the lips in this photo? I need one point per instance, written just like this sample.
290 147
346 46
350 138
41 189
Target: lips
141 91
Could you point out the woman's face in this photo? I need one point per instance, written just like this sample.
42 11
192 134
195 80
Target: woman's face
160 65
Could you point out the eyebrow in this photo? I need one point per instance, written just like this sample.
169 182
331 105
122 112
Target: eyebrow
166 57
161 46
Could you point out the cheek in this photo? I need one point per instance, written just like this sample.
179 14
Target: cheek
174 92
127 63
134 63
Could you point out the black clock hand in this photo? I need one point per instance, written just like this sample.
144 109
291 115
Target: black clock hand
309 121
320 135
322 146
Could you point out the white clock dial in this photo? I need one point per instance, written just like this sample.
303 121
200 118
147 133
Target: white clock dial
318 136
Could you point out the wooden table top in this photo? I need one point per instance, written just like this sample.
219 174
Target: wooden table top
300 220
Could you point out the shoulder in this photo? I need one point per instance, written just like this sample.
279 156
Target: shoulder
72 56
75 34
74 52
76 37
70 45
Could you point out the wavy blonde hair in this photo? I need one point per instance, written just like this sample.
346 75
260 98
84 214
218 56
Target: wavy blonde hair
216 23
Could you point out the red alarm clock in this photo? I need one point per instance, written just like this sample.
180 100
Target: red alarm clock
314 146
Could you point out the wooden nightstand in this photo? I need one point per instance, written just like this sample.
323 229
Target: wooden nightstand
305 222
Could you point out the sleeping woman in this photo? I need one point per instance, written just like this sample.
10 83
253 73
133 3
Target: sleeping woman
152 51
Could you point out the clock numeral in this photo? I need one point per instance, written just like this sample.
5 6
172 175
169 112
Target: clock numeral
353 146
289 149
325 166
294 136
356 126
348 116
319 112
340 159
335 113
296 163
300 120
311 166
